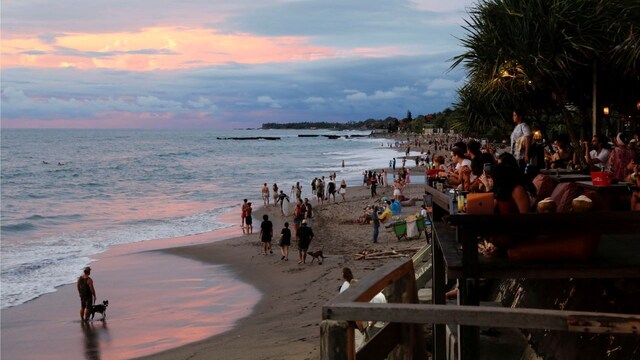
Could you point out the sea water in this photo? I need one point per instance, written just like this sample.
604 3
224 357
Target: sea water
67 195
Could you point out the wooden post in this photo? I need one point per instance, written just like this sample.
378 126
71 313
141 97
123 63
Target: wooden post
438 282
468 336
337 340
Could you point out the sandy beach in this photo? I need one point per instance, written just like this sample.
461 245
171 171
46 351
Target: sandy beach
167 297
285 323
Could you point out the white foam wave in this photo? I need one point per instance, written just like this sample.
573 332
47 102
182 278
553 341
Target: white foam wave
34 269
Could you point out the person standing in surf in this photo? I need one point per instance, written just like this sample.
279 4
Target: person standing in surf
244 214
87 294
265 195
275 194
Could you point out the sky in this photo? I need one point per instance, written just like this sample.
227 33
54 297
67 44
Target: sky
225 64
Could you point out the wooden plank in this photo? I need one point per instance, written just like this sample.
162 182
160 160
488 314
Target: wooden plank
422 255
619 222
599 324
550 270
468 336
439 198
438 284
336 340
381 344
369 286
575 321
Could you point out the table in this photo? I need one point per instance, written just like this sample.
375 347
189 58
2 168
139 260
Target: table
614 196
561 172
440 198
569 178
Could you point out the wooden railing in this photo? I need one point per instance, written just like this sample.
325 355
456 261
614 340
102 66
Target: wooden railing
402 337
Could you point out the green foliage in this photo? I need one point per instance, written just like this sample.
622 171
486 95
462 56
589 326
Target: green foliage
542 55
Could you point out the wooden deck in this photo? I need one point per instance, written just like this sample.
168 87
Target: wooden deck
400 339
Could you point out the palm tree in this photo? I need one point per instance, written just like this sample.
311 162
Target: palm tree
543 54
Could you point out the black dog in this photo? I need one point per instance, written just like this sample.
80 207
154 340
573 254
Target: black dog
100 308
316 255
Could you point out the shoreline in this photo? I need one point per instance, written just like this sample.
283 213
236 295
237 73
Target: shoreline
152 302
285 322
151 316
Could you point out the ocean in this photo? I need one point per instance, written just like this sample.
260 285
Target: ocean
68 195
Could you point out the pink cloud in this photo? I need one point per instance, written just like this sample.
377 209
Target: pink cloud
163 48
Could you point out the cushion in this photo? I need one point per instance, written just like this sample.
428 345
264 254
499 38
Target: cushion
563 195
544 186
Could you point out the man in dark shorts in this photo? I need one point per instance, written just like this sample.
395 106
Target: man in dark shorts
87 294
248 219
266 234
305 235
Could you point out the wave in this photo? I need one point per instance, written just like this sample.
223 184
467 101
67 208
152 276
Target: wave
64 217
176 154
25 226
36 268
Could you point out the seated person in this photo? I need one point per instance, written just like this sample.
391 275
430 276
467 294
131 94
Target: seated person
395 208
438 163
511 190
386 215
562 153
599 155
635 196
462 173
477 170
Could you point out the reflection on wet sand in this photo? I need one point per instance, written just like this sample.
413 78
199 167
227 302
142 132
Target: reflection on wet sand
93 332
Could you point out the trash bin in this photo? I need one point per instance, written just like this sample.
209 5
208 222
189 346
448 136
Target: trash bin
412 229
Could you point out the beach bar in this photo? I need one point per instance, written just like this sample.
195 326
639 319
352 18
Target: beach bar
453 255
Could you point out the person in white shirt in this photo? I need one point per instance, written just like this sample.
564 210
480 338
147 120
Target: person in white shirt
599 156
374 326
347 276
520 138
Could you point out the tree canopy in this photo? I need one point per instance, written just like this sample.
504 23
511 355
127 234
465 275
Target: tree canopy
544 55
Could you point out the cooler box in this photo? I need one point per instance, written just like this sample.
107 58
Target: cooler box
601 178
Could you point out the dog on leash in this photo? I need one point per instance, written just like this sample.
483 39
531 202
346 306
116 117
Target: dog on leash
316 255
100 308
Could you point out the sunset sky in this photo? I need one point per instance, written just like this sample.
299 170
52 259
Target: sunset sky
225 64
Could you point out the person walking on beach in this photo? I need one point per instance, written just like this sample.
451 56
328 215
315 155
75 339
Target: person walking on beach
343 190
275 194
298 191
266 234
87 294
265 195
347 276
313 186
249 219
305 235
320 191
309 211
331 191
285 241
244 214
299 214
